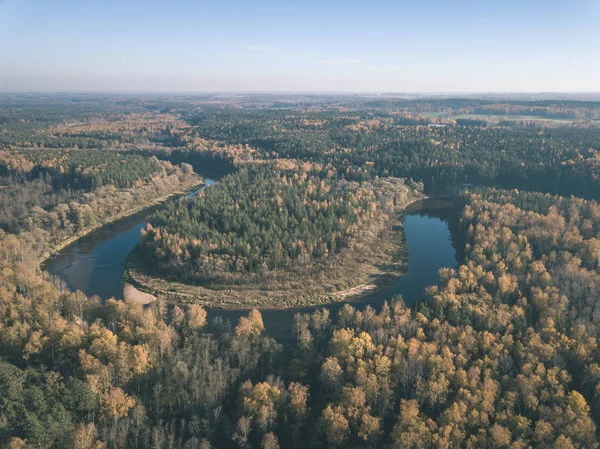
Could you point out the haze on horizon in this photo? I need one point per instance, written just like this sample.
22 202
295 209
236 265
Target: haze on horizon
320 46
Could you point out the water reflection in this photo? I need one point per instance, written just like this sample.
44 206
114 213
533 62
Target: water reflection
430 247
95 263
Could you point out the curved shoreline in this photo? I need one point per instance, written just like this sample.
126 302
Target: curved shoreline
372 269
56 249
233 299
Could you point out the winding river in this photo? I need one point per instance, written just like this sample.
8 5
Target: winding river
94 264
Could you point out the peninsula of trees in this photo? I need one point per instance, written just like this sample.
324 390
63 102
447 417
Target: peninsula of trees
268 219
275 228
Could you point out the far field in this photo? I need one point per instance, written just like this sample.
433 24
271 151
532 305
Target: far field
497 117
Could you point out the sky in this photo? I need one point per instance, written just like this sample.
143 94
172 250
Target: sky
450 46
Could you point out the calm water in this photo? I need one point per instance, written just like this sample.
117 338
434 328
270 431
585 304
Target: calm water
430 247
95 263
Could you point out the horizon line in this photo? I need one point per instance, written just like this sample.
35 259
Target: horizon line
298 92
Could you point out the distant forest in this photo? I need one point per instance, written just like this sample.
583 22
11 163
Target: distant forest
559 160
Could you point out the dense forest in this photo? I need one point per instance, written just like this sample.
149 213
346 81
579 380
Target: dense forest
267 219
52 195
361 145
498 357
49 195
503 353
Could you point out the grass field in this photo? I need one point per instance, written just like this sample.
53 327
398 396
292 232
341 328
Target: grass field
495 118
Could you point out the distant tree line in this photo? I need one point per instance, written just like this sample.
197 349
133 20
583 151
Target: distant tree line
562 160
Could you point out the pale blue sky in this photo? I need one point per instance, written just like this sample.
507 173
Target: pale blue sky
335 46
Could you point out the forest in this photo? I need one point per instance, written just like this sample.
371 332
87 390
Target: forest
266 219
559 160
503 353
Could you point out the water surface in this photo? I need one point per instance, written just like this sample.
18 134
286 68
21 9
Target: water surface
427 226
95 263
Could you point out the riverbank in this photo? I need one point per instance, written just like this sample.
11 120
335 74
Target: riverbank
94 265
373 264
186 189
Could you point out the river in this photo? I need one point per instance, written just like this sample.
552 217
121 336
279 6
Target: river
94 264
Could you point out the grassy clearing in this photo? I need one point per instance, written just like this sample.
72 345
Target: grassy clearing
496 118
517 118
